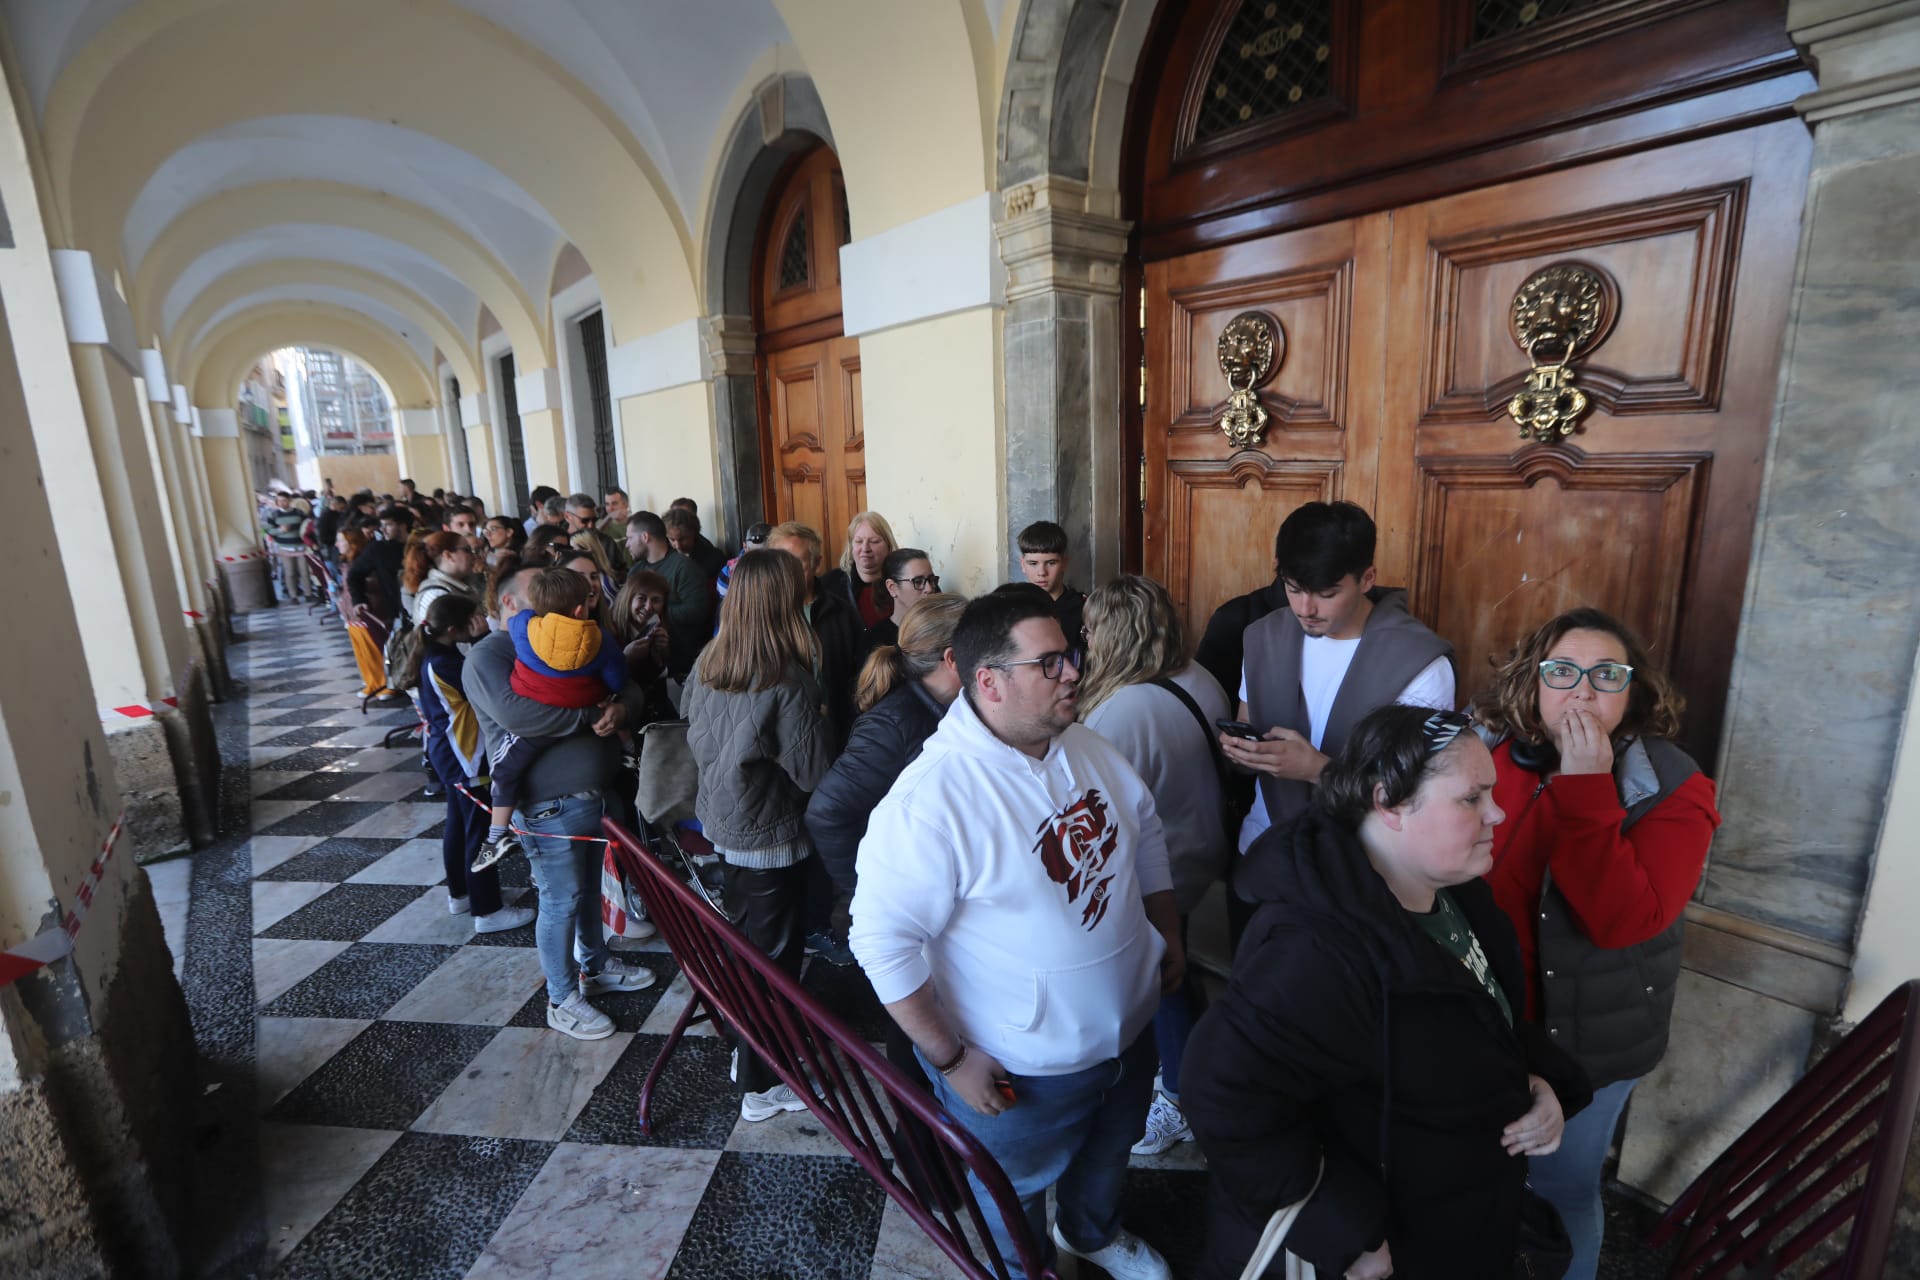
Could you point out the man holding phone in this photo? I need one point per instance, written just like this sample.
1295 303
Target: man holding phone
1341 648
1015 913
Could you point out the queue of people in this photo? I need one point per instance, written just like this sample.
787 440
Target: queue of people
1456 929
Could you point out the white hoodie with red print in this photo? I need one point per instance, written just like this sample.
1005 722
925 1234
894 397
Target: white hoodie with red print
1015 884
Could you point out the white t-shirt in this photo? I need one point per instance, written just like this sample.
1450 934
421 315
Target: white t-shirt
1323 668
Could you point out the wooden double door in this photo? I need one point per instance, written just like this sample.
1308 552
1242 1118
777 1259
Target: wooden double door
1392 393
813 438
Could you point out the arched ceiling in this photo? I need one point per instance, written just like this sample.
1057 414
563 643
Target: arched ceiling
453 147
402 163
349 246
214 375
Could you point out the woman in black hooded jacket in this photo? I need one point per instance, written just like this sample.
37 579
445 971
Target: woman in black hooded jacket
1367 1039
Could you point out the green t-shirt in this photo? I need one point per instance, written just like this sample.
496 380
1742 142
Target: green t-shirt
1446 926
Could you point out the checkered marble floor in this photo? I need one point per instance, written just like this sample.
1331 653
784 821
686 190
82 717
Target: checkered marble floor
416 1117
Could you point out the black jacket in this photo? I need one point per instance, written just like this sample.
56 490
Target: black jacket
842 646
381 561
840 583
710 558
1223 648
886 739
1347 1036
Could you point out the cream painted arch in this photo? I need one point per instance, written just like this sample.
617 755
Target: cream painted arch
239 212
866 61
427 65
266 275
216 367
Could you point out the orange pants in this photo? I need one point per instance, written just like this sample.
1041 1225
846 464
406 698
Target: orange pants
373 665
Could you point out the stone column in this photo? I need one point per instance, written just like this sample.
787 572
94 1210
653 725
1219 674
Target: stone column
96 1055
728 349
1827 640
1063 245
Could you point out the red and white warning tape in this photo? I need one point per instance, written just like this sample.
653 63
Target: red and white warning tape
52 944
135 710
522 831
246 555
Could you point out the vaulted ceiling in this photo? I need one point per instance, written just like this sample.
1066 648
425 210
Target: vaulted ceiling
408 163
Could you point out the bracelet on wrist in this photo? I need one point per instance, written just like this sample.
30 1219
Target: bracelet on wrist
954 1065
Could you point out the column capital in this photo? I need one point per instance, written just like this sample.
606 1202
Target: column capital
728 344
1865 54
1061 235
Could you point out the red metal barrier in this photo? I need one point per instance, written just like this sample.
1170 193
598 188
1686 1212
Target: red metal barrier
1825 1159
854 1092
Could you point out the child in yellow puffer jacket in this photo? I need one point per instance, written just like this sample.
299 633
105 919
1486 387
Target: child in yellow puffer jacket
562 658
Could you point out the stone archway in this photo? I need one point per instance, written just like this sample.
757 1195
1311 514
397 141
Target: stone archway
785 118
1064 243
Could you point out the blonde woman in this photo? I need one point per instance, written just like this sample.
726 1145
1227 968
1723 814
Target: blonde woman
760 743
1142 694
859 578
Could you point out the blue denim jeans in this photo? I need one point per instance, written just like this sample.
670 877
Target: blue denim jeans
566 876
1569 1179
1069 1132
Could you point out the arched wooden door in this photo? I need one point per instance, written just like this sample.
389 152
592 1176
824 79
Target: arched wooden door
1390 255
814 452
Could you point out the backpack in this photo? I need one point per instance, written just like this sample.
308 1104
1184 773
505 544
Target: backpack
401 642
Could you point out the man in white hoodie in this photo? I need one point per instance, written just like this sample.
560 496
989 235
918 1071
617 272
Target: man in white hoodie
1015 913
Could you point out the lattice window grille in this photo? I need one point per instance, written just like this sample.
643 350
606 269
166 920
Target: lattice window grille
1493 19
795 259
1276 58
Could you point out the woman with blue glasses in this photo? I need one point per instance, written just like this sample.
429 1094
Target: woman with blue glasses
1607 829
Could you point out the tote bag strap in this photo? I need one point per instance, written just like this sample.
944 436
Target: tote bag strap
1273 1239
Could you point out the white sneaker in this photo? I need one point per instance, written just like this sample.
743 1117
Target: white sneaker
579 1019
1125 1257
761 1106
617 973
457 906
1166 1127
502 920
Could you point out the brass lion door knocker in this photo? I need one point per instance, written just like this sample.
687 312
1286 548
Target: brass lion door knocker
1561 308
1251 347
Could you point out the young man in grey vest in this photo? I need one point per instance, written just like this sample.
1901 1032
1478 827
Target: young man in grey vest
1312 670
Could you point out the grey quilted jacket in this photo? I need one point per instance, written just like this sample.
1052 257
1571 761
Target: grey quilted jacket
759 755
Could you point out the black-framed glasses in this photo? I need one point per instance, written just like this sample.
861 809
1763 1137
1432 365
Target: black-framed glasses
1605 677
922 581
1050 663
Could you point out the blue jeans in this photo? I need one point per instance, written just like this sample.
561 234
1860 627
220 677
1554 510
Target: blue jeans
1069 1132
1570 1178
1173 1024
566 876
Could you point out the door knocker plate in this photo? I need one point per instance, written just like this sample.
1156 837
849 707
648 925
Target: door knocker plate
1560 310
1251 347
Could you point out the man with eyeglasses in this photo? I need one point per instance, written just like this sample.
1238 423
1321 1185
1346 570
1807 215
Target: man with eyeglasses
1015 913
1311 671
909 577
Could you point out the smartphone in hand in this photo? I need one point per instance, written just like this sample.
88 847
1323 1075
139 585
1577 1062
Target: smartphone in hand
1238 729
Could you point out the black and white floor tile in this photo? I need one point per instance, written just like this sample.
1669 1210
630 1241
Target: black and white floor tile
408 1111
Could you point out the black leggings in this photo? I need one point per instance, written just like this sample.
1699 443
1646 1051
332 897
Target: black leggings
771 908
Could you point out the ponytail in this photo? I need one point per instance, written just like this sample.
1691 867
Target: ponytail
414 565
447 615
884 671
925 635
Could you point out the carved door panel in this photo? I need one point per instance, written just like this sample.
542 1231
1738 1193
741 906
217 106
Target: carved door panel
815 452
819 451
1393 386
1211 509
1647 510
